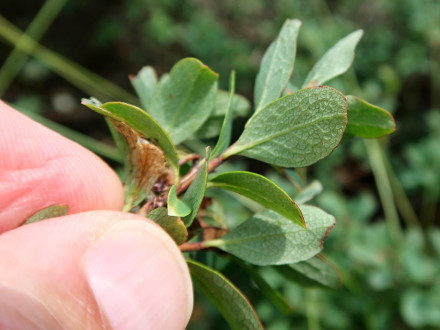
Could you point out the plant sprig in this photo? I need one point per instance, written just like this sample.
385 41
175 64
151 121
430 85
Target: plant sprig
168 184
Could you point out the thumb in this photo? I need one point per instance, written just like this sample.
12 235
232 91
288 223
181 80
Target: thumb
99 269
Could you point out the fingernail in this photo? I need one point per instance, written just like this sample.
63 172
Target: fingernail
139 278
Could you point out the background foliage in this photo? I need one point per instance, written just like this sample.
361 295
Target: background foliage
386 243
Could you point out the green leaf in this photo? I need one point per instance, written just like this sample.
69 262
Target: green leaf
196 191
224 139
367 120
291 88
143 124
240 108
309 192
176 207
174 226
261 190
268 238
183 101
277 65
230 302
315 272
273 295
240 105
296 130
144 83
52 211
210 128
335 61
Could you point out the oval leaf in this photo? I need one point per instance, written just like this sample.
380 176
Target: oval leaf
144 83
172 225
230 302
176 207
211 128
296 130
268 238
141 122
52 211
240 105
196 191
277 65
240 108
335 62
367 120
315 272
184 100
261 190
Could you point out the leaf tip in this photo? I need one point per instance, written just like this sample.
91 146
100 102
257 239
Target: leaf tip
91 101
360 32
294 21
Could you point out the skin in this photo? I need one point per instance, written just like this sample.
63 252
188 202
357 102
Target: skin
96 268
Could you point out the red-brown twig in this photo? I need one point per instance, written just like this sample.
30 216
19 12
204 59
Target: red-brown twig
191 175
188 157
196 246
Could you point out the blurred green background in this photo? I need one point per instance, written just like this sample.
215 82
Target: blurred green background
385 195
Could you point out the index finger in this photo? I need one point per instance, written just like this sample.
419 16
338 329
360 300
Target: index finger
39 168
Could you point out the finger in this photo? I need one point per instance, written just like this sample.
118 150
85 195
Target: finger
39 168
93 270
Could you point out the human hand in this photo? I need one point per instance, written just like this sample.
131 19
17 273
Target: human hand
90 269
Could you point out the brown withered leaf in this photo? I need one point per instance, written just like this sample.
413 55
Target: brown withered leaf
147 161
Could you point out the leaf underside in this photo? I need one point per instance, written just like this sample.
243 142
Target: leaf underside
277 65
335 61
296 130
315 272
267 238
